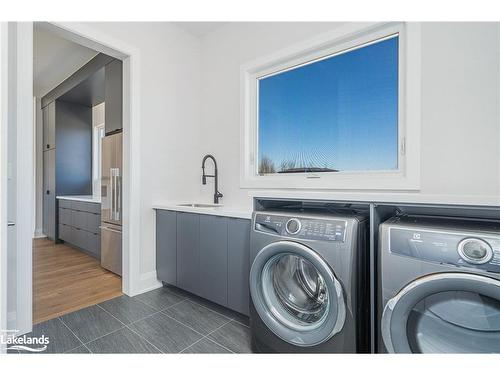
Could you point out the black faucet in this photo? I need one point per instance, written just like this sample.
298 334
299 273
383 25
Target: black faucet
217 193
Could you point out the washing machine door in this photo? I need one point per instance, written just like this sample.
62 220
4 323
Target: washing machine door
296 294
444 313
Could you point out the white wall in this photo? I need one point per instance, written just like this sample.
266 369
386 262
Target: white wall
460 160
169 118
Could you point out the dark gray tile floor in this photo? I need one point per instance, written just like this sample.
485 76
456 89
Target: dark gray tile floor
164 320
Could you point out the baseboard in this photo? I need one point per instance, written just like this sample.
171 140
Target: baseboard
148 282
39 234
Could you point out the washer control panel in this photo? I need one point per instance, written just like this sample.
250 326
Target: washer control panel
302 228
459 249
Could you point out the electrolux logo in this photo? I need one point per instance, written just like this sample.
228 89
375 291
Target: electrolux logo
23 343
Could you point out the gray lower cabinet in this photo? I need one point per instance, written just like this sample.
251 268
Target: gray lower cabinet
166 246
188 252
206 255
79 225
238 264
213 258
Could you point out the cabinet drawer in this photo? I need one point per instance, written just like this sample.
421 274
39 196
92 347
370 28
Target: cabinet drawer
87 207
65 232
65 203
80 238
94 244
93 223
79 219
65 216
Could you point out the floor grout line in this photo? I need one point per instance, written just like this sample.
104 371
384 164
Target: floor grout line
206 337
193 300
187 326
222 346
164 311
107 334
134 331
145 339
208 308
164 308
74 334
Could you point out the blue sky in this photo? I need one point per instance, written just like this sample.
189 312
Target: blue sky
339 113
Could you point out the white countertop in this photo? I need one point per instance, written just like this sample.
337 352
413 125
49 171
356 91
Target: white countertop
220 210
81 198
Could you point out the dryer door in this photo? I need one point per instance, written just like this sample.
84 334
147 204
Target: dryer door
444 313
296 294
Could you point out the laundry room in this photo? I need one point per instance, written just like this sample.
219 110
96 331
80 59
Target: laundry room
250 186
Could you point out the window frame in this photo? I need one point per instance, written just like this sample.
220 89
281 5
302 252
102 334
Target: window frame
343 39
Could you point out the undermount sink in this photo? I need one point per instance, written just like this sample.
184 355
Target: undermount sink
200 205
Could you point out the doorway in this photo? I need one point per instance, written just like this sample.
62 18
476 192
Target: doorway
20 313
78 148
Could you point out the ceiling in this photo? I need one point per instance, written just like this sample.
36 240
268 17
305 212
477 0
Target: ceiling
200 29
55 59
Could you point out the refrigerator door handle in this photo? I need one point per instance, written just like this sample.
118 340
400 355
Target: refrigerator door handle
115 194
111 198
118 195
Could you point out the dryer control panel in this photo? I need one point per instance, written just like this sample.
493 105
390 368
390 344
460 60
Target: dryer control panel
461 249
302 228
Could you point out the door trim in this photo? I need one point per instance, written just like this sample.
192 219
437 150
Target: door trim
425 286
133 281
3 181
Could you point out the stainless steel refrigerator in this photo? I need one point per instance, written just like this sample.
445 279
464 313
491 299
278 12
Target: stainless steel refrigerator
111 203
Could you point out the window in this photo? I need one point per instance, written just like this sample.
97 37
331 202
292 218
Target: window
337 114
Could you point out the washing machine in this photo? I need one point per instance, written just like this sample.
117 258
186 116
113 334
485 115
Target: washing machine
308 283
439 286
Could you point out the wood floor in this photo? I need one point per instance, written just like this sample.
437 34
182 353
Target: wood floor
66 280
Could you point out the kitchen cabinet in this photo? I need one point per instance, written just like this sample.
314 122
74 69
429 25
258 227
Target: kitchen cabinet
67 157
166 246
238 264
113 96
79 225
188 252
206 255
213 258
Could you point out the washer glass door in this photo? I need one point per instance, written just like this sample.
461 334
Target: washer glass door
444 313
296 294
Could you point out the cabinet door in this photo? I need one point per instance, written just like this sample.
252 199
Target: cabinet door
65 216
188 252
80 238
93 222
238 264
94 244
80 219
113 96
65 232
49 126
166 246
213 258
